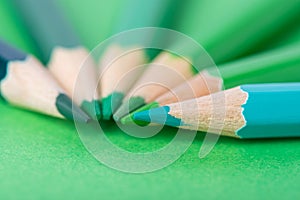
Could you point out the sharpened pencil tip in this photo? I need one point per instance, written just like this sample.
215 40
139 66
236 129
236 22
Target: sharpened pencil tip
129 118
111 103
92 108
69 111
128 106
158 115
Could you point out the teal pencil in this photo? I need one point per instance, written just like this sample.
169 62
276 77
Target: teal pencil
118 77
247 111
24 82
62 51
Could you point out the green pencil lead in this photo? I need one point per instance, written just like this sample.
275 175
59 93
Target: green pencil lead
129 120
72 112
92 108
111 103
98 109
128 106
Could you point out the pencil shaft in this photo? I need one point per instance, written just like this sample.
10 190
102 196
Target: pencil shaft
7 53
137 14
227 36
280 65
47 25
271 110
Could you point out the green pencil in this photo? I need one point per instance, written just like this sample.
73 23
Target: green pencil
62 50
119 76
286 39
24 82
224 36
245 112
227 33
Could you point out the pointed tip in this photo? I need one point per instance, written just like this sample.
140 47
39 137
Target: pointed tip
79 115
98 109
128 106
111 103
129 118
92 108
72 112
151 115
158 115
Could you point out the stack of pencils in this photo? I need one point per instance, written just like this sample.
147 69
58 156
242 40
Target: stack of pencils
254 93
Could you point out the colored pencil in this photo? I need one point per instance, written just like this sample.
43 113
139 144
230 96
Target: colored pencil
287 38
24 82
228 36
62 51
128 68
260 68
247 111
243 33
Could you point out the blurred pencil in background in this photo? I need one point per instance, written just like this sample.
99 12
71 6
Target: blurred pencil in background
62 51
231 28
290 36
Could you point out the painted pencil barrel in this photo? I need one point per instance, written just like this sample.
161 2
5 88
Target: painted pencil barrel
246 112
271 110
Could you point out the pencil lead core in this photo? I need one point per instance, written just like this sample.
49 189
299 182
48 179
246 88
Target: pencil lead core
128 106
64 106
111 103
92 108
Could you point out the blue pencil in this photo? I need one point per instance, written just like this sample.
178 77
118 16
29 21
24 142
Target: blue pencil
247 111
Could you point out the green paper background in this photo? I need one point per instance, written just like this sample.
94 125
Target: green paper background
43 158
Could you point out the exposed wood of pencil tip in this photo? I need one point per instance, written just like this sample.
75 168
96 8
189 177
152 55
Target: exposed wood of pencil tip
118 65
68 66
197 86
217 113
29 84
166 71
